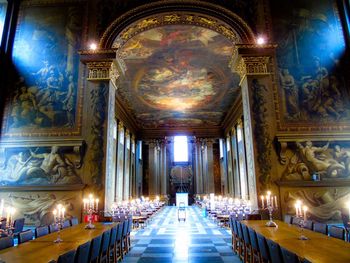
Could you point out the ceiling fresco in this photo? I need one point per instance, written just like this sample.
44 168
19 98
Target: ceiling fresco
178 75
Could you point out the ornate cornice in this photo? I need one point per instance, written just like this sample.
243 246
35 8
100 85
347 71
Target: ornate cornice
177 12
175 19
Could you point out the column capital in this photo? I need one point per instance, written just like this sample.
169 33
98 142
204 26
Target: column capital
252 59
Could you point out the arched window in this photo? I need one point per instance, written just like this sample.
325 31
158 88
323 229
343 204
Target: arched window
180 149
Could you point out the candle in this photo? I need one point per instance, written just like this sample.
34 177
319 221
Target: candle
63 210
97 204
271 201
262 201
305 210
276 205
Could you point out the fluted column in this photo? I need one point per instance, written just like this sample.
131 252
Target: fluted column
210 165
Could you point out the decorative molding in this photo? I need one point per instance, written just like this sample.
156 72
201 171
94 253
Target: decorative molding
99 70
208 132
31 188
203 14
322 183
176 18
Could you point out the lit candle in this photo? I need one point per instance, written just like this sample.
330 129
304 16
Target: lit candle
276 205
262 202
268 200
85 203
63 210
305 210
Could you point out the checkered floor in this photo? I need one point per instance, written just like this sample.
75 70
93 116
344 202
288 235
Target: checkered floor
165 239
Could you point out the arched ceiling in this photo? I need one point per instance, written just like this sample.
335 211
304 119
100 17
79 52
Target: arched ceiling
178 76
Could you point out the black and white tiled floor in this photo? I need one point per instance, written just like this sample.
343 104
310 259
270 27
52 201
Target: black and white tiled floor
196 240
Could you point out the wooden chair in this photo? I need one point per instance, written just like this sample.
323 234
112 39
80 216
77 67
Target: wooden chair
53 228
95 249
74 221
308 224
234 234
275 251
82 253
254 244
320 228
66 224
337 232
263 248
125 237
103 255
18 225
41 231
241 248
296 220
288 256
119 241
112 248
288 219
25 236
6 242
67 257
248 255
129 233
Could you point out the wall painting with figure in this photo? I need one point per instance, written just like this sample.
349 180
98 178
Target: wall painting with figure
46 97
310 54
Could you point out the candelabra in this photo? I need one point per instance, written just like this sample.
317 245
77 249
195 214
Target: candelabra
59 218
90 208
270 207
302 218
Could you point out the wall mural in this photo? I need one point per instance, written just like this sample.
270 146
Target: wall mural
310 48
324 204
39 166
45 94
182 70
327 160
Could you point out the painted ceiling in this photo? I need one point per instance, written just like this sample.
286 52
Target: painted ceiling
178 76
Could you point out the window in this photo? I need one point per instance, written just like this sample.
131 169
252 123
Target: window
180 149
221 145
3 7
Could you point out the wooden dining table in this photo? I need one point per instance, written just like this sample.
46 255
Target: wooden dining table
318 248
44 249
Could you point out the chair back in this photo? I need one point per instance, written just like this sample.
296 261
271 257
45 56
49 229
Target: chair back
288 219
82 253
245 234
66 224
230 221
95 249
253 239
125 227
25 236
239 229
41 231
321 228
129 225
296 220
120 232
67 257
6 242
308 224
53 228
275 251
289 256
113 236
337 232
105 242
18 225
234 223
74 221
3 224
263 249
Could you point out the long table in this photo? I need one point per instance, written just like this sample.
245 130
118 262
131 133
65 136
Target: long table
43 249
319 247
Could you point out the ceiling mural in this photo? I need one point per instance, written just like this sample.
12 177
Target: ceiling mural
178 75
